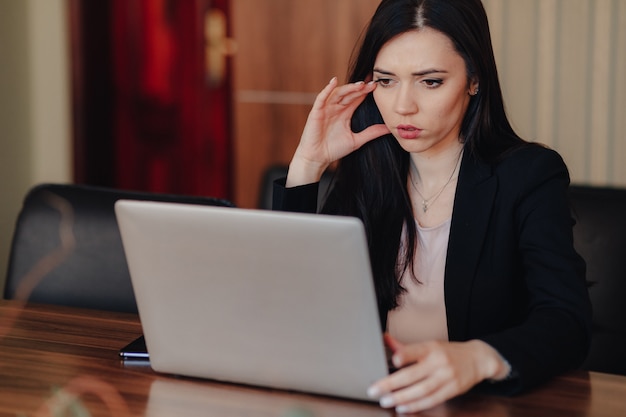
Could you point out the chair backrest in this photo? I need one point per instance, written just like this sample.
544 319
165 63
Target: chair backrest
275 172
600 238
67 248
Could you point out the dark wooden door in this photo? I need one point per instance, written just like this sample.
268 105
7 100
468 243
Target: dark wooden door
152 85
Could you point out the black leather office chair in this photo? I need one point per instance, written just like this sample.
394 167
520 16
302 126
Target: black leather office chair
600 238
275 172
67 248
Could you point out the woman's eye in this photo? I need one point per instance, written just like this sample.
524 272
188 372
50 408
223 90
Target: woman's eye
432 83
384 82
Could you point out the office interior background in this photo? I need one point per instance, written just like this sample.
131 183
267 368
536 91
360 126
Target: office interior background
562 64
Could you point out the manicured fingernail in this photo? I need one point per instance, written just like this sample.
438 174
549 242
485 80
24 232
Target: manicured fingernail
332 79
359 83
397 361
402 409
387 401
373 392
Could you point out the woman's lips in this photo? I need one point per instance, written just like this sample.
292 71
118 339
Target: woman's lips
408 132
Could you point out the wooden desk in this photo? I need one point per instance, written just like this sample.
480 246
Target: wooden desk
53 356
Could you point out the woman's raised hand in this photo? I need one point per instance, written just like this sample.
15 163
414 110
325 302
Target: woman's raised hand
327 135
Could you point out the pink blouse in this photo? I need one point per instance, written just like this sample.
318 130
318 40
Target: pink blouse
421 314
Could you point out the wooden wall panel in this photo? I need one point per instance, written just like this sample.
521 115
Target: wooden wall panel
286 52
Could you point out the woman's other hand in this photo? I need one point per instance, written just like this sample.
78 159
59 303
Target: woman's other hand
433 372
327 135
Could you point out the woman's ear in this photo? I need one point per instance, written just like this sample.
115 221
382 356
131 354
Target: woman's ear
473 87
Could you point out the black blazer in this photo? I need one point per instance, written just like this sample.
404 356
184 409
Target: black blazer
512 277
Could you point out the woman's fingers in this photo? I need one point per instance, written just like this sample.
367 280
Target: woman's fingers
322 97
427 390
368 134
405 375
389 340
430 374
353 94
419 403
418 387
344 95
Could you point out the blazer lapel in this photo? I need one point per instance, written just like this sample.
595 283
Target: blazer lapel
473 203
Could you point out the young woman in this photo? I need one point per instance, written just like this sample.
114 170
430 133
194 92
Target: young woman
469 229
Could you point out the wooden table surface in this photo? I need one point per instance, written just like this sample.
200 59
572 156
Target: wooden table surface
57 361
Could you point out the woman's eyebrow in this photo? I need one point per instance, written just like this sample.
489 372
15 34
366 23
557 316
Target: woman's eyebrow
380 71
418 73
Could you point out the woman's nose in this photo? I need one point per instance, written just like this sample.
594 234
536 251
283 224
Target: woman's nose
406 102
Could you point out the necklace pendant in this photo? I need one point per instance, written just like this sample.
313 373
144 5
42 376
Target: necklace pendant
424 206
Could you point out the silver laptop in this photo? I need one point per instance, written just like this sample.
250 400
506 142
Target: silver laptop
273 299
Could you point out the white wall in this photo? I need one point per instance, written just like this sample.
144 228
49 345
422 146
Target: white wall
35 124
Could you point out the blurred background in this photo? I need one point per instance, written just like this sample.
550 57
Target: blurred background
200 97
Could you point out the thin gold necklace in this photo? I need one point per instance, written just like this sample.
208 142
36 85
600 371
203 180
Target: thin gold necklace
427 202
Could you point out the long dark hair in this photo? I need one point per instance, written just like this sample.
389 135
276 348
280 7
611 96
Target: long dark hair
371 183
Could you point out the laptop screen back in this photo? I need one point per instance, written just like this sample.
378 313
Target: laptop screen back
280 300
